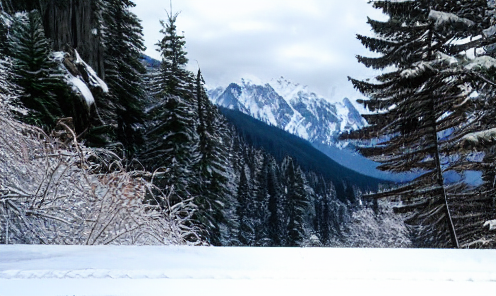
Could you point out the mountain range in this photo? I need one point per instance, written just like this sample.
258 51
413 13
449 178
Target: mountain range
291 107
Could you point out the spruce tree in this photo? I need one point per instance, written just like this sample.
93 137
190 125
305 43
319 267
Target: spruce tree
297 203
246 231
422 104
123 45
214 189
35 70
172 140
276 205
172 49
261 202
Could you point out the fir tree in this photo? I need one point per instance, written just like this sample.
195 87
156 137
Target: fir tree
35 70
276 205
123 45
172 140
297 203
172 49
246 232
423 102
214 191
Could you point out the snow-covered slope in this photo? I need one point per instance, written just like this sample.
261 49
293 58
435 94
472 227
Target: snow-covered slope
146 270
291 107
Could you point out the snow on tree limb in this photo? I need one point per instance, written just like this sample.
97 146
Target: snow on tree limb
79 86
479 138
481 62
491 224
443 18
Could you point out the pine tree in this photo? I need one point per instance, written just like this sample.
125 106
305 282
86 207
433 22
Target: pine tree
276 205
172 140
246 232
214 190
477 205
174 76
123 45
297 203
35 70
422 105
261 213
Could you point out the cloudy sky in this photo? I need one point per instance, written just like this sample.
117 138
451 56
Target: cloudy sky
311 42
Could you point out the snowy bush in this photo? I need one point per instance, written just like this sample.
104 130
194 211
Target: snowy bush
377 229
49 195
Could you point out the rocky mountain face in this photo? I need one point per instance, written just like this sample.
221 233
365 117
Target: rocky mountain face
291 107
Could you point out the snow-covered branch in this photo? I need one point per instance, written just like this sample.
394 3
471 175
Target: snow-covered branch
441 18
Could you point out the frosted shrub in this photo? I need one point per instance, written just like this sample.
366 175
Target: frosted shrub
381 229
48 195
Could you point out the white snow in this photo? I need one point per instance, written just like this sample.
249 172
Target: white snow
58 55
94 79
77 82
342 113
482 136
447 58
416 70
490 31
491 224
81 87
176 270
481 62
441 18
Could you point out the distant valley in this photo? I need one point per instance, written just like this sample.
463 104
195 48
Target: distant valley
294 108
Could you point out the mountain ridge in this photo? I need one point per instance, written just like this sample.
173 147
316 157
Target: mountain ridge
291 107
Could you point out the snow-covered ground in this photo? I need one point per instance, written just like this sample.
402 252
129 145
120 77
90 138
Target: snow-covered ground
146 270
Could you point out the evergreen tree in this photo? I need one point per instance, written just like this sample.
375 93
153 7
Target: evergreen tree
477 205
297 203
246 234
214 191
5 19
172 139
35 70
123 45
261 213
424 104
276 205
174 76
9 91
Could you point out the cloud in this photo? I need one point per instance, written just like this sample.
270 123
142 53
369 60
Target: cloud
311 42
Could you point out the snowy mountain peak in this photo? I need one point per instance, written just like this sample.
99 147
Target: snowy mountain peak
291 107
251 80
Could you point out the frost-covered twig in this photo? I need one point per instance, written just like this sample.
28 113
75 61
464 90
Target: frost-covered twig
60 192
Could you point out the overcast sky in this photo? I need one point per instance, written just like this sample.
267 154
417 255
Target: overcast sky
311 42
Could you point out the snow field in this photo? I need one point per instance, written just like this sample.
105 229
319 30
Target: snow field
178 270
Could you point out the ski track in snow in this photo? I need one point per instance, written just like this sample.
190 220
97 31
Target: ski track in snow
153 270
